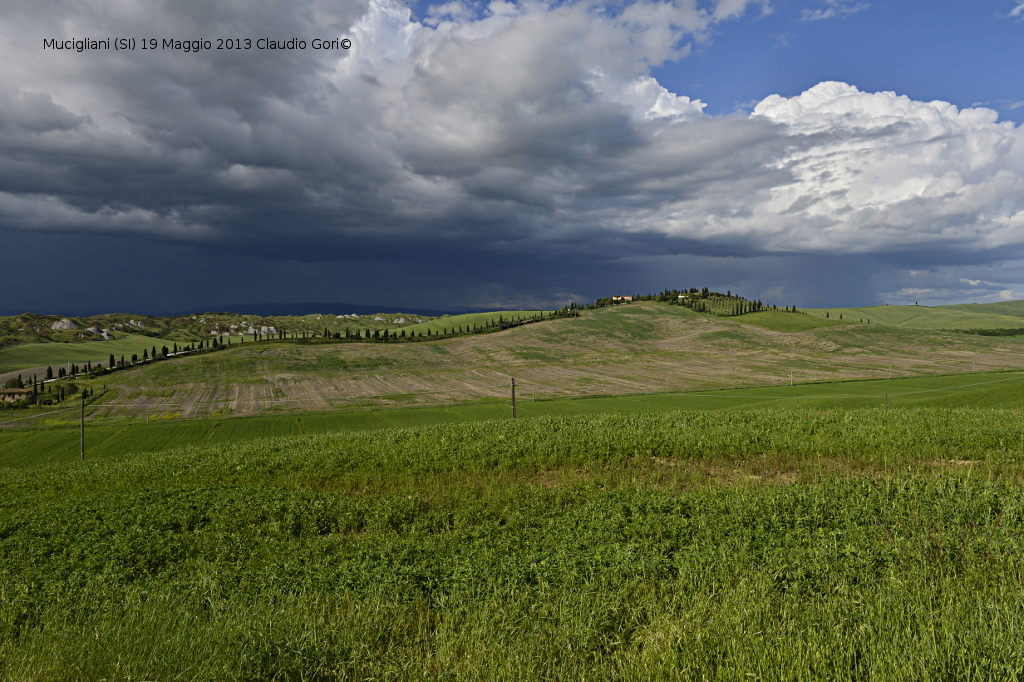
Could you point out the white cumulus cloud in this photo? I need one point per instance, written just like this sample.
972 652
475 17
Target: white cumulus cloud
508 126
832 9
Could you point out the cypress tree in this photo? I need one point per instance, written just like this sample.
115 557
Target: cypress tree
49 371
145 355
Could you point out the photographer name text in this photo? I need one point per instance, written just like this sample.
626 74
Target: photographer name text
141 44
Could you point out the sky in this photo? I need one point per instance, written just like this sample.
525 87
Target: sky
466 155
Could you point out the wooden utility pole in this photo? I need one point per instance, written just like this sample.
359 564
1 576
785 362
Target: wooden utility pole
513 398
82 426
887 401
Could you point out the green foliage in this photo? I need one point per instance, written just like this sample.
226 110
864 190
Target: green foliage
570 548
1018 331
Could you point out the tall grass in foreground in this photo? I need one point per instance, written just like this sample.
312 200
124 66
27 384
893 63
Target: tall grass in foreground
799 546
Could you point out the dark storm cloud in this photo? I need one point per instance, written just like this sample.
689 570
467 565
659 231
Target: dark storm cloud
529 134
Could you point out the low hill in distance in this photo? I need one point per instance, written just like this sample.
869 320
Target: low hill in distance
642 347
627 348
961 317
30 328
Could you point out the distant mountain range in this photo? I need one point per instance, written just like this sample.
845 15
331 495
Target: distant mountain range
271 309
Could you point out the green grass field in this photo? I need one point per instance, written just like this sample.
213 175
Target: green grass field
56 354
789 322
731 545
985 316
59 442
779 533
468 321
1011 308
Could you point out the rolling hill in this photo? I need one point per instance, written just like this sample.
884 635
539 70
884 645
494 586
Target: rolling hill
644 347
1008 315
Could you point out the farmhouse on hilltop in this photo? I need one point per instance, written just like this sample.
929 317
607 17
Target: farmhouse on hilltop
11 394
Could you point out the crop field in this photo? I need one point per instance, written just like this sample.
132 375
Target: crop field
57 438
626 349
35 355
792 544
988 316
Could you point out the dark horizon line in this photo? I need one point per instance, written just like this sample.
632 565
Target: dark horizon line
278 310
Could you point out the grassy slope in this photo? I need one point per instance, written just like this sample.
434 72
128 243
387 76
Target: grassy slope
112 439
1011 308
923 317
630 349
789 322
438 324
613 547
40 354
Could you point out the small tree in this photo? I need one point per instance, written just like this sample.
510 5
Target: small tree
145 355
49 371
